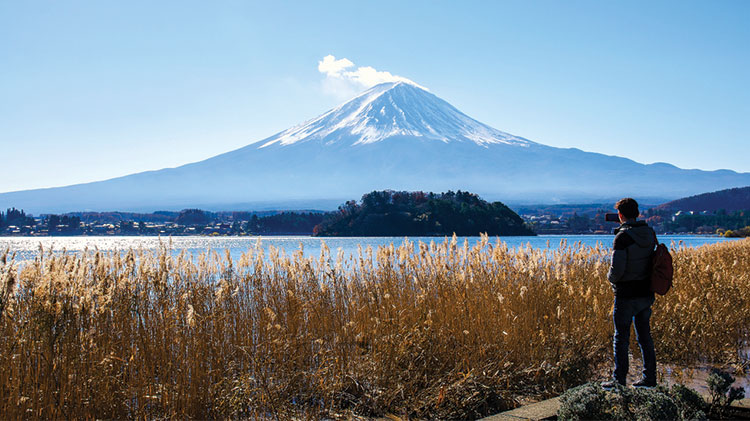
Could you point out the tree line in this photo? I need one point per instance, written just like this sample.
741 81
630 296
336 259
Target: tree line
720 220
187 221
15 217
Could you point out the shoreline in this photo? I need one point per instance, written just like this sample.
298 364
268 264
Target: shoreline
312 236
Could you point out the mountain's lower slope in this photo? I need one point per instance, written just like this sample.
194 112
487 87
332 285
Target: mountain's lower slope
394 136
309 175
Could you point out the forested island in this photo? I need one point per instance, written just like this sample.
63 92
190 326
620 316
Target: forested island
403 213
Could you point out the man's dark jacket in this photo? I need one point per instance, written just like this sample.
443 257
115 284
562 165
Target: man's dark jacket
630 273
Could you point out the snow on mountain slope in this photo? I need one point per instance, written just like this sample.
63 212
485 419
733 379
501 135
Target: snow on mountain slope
394 109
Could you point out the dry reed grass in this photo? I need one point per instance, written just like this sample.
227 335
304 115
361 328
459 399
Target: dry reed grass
437 331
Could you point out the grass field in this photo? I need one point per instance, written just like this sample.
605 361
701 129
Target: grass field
427 331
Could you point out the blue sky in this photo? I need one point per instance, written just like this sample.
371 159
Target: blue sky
92 90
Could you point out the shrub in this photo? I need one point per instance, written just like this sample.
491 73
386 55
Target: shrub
586 402
590 401
691 405
653 404
721 390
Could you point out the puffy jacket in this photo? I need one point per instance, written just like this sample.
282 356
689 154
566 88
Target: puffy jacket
633 249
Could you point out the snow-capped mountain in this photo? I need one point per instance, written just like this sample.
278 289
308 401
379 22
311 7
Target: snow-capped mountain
394 109
393 136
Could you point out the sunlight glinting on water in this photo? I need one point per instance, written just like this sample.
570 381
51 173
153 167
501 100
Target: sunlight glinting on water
28 247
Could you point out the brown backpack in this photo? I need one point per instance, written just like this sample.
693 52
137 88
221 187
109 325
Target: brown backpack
662 270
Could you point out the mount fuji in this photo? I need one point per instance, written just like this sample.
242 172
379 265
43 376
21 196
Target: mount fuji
393 136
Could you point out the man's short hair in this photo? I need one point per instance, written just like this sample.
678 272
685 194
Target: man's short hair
628 207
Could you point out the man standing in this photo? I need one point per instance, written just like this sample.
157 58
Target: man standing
630 275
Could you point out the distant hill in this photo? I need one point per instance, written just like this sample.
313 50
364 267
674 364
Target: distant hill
401 213
729 200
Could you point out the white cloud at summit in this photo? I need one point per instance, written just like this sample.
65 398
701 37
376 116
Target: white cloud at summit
343 83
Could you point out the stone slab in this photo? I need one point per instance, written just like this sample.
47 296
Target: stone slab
535 411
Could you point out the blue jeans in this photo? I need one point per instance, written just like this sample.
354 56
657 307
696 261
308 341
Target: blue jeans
626 311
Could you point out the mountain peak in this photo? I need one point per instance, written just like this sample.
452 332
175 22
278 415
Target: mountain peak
389 110
386 86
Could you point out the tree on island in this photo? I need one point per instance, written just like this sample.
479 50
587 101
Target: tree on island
402 213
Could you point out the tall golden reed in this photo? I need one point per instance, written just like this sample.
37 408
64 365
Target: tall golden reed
422 330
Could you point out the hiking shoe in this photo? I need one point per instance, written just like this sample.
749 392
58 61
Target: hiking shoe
645 384
612 384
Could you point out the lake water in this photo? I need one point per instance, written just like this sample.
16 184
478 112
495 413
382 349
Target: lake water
28 247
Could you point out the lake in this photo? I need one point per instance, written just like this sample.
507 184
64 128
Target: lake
28 247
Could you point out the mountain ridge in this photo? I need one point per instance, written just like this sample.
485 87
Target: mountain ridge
735 199
395 136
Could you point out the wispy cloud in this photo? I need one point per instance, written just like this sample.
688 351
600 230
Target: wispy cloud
344 80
